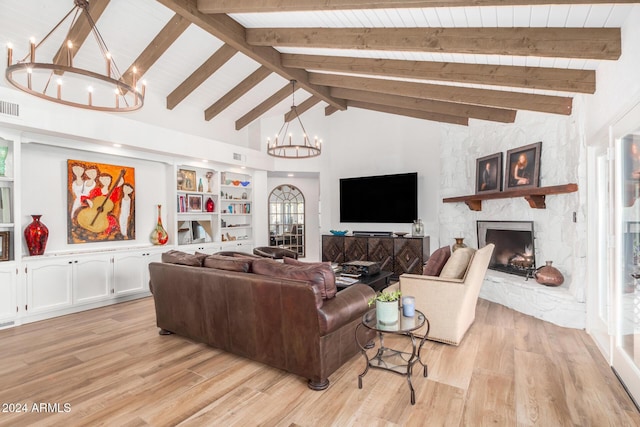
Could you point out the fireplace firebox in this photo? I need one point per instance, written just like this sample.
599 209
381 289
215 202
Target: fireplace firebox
514 251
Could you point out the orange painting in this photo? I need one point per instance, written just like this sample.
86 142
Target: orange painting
100 202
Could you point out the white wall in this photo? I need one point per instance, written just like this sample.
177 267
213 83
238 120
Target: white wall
364 143
617 84
44 192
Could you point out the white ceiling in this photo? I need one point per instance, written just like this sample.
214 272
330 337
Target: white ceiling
129 26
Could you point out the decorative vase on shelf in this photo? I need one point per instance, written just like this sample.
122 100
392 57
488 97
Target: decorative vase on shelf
417 229
36 235
209 175
459 244
209 205
549 275
159 235
200 187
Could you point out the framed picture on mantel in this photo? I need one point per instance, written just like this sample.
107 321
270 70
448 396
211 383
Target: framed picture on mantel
489 174
523 167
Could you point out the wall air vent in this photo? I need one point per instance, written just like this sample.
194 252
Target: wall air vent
9 108
237 156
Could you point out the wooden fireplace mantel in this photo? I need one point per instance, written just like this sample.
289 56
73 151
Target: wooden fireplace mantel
535 196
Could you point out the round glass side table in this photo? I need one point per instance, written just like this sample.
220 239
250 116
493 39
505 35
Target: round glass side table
389 359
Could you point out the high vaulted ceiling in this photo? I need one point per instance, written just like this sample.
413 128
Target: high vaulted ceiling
440 60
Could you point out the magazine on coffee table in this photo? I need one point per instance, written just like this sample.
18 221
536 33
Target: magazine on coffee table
346 281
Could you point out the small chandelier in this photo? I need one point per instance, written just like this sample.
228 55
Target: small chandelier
284 147
76 87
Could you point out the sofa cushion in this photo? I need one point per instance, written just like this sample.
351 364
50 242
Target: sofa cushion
456 266
330 287
436 262
183 258
321 275
230 263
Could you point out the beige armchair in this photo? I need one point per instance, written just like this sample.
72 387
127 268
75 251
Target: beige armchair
448 304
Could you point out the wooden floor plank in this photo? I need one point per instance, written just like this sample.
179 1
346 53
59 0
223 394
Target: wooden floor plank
112 368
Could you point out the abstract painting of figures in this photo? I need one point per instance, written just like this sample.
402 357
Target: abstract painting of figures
100 202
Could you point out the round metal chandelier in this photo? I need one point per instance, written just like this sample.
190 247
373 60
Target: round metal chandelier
73 86
283 145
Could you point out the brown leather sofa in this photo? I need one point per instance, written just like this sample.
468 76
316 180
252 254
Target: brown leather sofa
286 316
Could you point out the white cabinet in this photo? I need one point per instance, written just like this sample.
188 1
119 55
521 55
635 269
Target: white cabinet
49 285
65 284
131 271
91 278
8 301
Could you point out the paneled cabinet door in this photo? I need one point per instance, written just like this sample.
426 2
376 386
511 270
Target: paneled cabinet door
49 285
131 272
91 279
408 255
7 293
333 248
355 248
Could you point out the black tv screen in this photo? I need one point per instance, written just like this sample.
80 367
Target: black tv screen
383 198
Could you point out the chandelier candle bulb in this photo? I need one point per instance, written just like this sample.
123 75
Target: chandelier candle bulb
59 88
108 59
9 54
32 49
90 90
29 72
70 53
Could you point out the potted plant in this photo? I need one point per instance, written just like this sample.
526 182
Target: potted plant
386 306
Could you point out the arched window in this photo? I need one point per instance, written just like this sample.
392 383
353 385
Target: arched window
286 218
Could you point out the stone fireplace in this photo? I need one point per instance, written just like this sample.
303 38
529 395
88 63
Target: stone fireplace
560 233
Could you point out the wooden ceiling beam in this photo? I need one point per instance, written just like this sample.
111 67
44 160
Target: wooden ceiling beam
442 107
329 110
464 95
210 66
79 32
229 31
265 106
300 109
234 94
158 46
583 43
568 80
434 117
261 6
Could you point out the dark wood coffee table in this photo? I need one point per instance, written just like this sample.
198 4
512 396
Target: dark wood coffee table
377 282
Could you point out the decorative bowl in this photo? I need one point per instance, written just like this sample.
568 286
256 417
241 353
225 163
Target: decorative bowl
400 233
244 183
236 182
338 232
227 182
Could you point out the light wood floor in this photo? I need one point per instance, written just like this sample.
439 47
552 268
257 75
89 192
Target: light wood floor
112 368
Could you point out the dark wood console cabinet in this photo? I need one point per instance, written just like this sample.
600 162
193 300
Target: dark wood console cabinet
397 254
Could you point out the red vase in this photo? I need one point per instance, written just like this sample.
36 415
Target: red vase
209 205
36 235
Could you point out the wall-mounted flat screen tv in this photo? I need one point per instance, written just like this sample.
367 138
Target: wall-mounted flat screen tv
382 198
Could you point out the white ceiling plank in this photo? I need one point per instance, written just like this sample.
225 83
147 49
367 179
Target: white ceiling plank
521 16
577 16
504 16
488 16
558 15
539 16
445 17
618 15
459 17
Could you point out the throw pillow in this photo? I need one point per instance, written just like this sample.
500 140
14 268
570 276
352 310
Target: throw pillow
183 258
457 265
436 261
229 263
